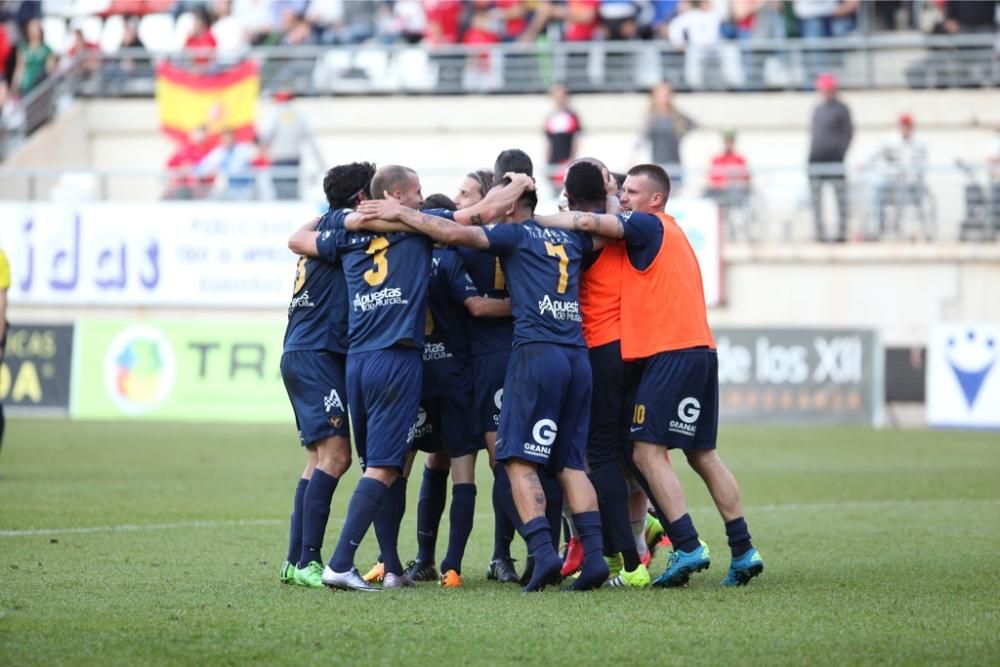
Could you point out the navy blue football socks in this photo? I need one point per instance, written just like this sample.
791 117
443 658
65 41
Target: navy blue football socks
360 514
506 497
595 570
430 507
739 537
315 514
612 499
463 509
387 522
538 535
503 527
295 523
682 534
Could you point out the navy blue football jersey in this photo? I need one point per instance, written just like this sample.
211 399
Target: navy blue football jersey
387 277
447 367
317 313
486 334
542 267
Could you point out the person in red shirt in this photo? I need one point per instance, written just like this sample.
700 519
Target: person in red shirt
728 168
729 178
581 20
201 40
88 53
183 184
443 17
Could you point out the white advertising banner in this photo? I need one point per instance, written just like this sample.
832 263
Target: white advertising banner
187 254
203 254
699 218
963 376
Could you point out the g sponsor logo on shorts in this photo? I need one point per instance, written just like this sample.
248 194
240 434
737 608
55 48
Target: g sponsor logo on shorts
498 398
688 412
544 434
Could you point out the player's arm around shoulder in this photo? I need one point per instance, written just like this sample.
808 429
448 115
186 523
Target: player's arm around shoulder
442 230
303 240
599 224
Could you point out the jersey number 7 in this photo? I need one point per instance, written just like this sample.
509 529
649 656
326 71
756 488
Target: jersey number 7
378 248
559 251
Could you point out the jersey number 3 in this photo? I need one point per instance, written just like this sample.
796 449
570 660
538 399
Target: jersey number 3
377 249
559 251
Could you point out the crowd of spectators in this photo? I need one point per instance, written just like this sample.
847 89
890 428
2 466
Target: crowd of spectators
433 22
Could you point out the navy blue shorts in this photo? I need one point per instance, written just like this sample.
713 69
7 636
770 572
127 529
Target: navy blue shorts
547 408
488 373
383 392
677 402
447 424
314 380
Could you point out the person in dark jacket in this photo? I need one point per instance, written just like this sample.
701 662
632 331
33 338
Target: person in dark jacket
831 133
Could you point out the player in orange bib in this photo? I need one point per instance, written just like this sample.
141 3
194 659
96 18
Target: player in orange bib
664 327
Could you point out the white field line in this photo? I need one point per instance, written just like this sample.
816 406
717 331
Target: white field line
751 510
130 527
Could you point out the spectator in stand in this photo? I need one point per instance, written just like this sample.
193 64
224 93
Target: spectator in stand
132 59
900 164
296 31
580 20
254 17
261 165
443 20
663 130
728 169
970 16
819 20
407 21
760 20
283 131
229 166
697 31
830 136
562 131
825 18
620 19
86 53
515 16
664 12
482 30
201 41
35 60
183 183
728 177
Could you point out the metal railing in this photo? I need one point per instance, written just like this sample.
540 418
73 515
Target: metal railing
860 61
948 202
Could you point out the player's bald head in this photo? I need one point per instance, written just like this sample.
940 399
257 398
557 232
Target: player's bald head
391 178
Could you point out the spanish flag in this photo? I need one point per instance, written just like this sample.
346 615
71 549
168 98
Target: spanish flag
220 100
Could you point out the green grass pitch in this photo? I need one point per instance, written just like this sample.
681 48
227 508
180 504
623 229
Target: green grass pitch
128 544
